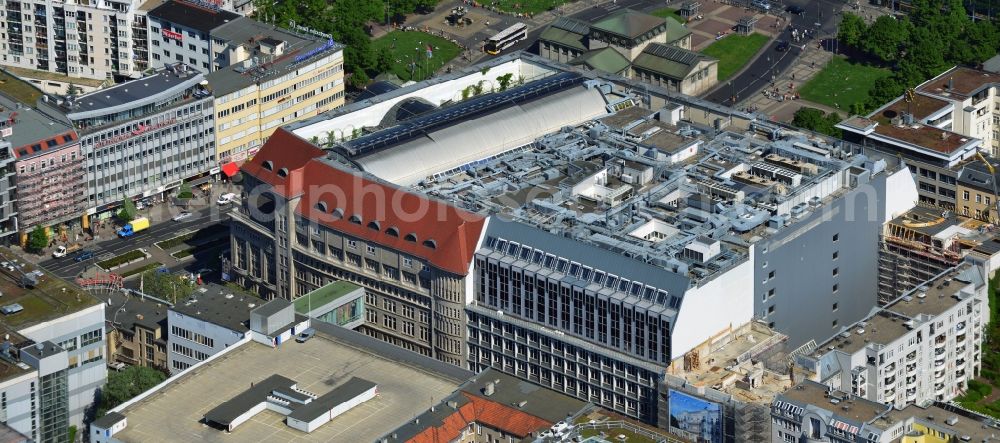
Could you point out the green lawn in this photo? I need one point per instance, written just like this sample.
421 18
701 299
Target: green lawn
141 269
411 47
20 90
842 83
668 12
528 6
734 51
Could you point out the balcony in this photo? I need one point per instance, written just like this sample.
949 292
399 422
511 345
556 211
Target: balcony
960 373
911 356
911 368
939 373
890 380
891 392
911 380
960 338
960 364
960 327
911 394
890 367
939 389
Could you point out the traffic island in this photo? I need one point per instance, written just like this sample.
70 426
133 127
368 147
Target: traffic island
120 261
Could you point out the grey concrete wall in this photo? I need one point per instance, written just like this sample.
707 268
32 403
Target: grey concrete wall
801 257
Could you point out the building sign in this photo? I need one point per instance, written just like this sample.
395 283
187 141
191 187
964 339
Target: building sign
174 35
6 132
142 129
326 47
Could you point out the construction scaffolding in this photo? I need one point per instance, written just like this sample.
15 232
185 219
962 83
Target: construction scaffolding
909 254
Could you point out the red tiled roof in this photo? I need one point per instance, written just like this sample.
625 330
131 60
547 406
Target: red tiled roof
285 151
393 217
487 413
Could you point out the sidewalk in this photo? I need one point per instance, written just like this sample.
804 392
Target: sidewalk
107 229
806 67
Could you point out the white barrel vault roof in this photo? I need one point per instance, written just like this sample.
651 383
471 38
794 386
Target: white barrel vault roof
483 137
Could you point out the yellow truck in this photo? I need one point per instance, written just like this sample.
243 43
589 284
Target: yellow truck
130 228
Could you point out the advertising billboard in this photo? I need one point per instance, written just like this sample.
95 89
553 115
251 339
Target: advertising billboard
695 418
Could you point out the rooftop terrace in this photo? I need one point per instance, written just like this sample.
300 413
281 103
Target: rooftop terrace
50 298
324 295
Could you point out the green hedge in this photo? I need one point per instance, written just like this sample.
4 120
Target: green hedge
142 269
134 254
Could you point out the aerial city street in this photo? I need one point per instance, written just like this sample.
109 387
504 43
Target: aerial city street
541 221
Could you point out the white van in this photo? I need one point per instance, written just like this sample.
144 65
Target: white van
226 199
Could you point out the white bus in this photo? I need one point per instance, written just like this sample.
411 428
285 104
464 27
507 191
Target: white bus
507 38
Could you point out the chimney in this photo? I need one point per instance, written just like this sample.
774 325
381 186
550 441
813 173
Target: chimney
488 390
951 83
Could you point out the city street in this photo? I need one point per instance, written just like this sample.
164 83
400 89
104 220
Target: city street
821 17
68 268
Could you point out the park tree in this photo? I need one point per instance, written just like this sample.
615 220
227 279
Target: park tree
383 60
926 52
124 385
38 239
360 79
852 29
166 286
882 91
128 211
884 38
982 39
816 120
184 191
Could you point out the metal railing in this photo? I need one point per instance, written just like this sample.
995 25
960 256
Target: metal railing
620 424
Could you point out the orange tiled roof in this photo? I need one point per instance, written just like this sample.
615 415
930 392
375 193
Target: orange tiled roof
382 213
487 413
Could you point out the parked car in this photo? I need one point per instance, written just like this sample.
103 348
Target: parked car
184 215
83 256
226 199
305 335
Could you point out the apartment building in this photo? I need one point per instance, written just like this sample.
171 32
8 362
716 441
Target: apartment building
179 32
978 194
275 77
813 412
304 223
971 104
136 330
46 180
144 137
93 40
209 321
923 347
933 155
